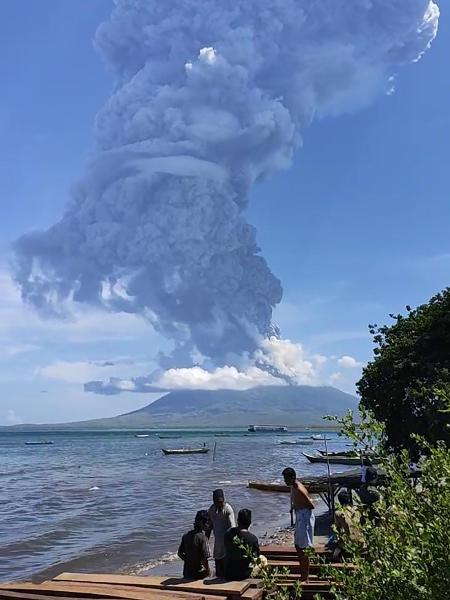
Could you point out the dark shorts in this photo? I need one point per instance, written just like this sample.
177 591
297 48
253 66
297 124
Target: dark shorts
220 568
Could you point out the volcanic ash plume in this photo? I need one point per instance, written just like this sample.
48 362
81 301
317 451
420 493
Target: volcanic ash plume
210 96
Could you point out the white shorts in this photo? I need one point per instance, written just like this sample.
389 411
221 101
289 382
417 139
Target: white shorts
304 528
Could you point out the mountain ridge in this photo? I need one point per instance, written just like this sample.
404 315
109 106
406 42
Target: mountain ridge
294 406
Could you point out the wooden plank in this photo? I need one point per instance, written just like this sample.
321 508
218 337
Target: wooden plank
294 566
208 586
276 550
313 579
9 595
253 594
55 589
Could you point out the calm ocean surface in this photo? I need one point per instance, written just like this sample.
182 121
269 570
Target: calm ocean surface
109 501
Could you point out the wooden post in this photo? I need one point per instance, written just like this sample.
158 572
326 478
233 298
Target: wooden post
214 453
330 487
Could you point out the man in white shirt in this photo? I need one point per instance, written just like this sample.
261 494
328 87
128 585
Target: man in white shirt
221 516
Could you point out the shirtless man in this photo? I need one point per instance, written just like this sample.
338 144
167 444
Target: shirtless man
303 507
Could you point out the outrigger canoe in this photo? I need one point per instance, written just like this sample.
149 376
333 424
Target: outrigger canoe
266 486
185 450
340 459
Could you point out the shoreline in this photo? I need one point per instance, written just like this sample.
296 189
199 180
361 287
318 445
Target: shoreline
279 534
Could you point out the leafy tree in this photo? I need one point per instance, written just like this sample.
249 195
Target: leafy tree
405 553
407 385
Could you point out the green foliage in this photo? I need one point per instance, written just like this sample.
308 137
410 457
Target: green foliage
406 554
271 578
366 435
407 385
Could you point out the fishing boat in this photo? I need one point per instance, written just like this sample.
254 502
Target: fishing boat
296 442
345 453
340 459
318 438
142 435
185 450
267 428
43 443
266 486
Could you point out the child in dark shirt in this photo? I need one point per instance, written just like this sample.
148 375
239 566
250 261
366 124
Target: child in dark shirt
240 553
194 549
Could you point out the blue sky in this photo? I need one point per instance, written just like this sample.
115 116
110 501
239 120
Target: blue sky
355 229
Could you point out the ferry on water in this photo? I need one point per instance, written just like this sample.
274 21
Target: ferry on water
267 428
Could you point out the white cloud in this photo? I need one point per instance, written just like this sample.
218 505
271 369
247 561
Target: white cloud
78 372
288 358
221 378
348 362
11 350
276 363
12 418
319 359
20 325
335 378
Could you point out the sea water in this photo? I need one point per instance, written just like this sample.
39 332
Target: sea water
111 502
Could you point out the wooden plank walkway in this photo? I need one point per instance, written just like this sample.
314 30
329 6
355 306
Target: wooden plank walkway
207 586
97 586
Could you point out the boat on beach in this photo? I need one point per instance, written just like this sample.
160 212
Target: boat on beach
339 459
185 450
266 486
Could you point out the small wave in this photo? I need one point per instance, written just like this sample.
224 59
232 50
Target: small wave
233 482
155 562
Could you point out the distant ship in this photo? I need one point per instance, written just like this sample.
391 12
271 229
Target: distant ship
267 428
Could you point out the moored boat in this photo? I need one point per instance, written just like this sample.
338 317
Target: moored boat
340 459
43 443
267 428
185 450
142 435
296 442
345 453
